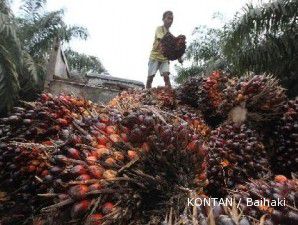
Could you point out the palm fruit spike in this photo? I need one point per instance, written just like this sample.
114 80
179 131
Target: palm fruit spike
211 96
277 199
235 154
160 177
173 47
285 156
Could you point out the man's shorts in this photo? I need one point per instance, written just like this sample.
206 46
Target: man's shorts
154 66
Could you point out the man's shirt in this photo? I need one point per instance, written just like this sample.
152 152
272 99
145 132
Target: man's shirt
155 52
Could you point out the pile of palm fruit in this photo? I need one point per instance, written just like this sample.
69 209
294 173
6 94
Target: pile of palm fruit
148 155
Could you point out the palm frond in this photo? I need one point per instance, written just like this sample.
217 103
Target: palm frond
9 85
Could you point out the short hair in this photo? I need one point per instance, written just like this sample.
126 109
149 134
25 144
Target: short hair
167 13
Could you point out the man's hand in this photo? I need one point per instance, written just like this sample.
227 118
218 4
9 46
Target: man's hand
180 60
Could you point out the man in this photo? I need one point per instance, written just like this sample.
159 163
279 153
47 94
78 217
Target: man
157 61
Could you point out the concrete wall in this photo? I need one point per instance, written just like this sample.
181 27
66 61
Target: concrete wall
95 94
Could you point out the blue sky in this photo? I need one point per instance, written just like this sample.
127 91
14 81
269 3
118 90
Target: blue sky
121 32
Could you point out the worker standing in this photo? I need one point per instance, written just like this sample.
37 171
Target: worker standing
157 61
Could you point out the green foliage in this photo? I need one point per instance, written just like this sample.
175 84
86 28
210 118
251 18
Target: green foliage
264 39
9 52
83 63
25 43
184 73
261 39
204 52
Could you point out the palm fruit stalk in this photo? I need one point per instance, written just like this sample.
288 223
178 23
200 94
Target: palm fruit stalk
235 154
173 47
276 200
284 159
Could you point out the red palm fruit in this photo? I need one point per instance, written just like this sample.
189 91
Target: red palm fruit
280 179
62 121
132 154
109 174
124 137
78 191
96 171
110 161
83 177
44 173
115 138
78 170
44 97
94 187
73 153
107 207
111 130
95 219
31 168
102 151
80 208
102 139
94 153
104 118
193 145
49 143
91 159
118 156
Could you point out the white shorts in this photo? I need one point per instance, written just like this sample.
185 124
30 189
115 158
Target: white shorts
154 66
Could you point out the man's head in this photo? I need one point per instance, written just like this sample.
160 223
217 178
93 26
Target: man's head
167 18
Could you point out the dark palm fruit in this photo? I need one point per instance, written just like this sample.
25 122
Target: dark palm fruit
285 155
230 162
78 191
78 170
173 47
281 190
188 92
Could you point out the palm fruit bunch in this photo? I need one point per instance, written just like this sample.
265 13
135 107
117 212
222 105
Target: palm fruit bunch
274 201
261 95
22 170
188 92
235 154
211 96
285 152
60 148
173 47
162 174
164 99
